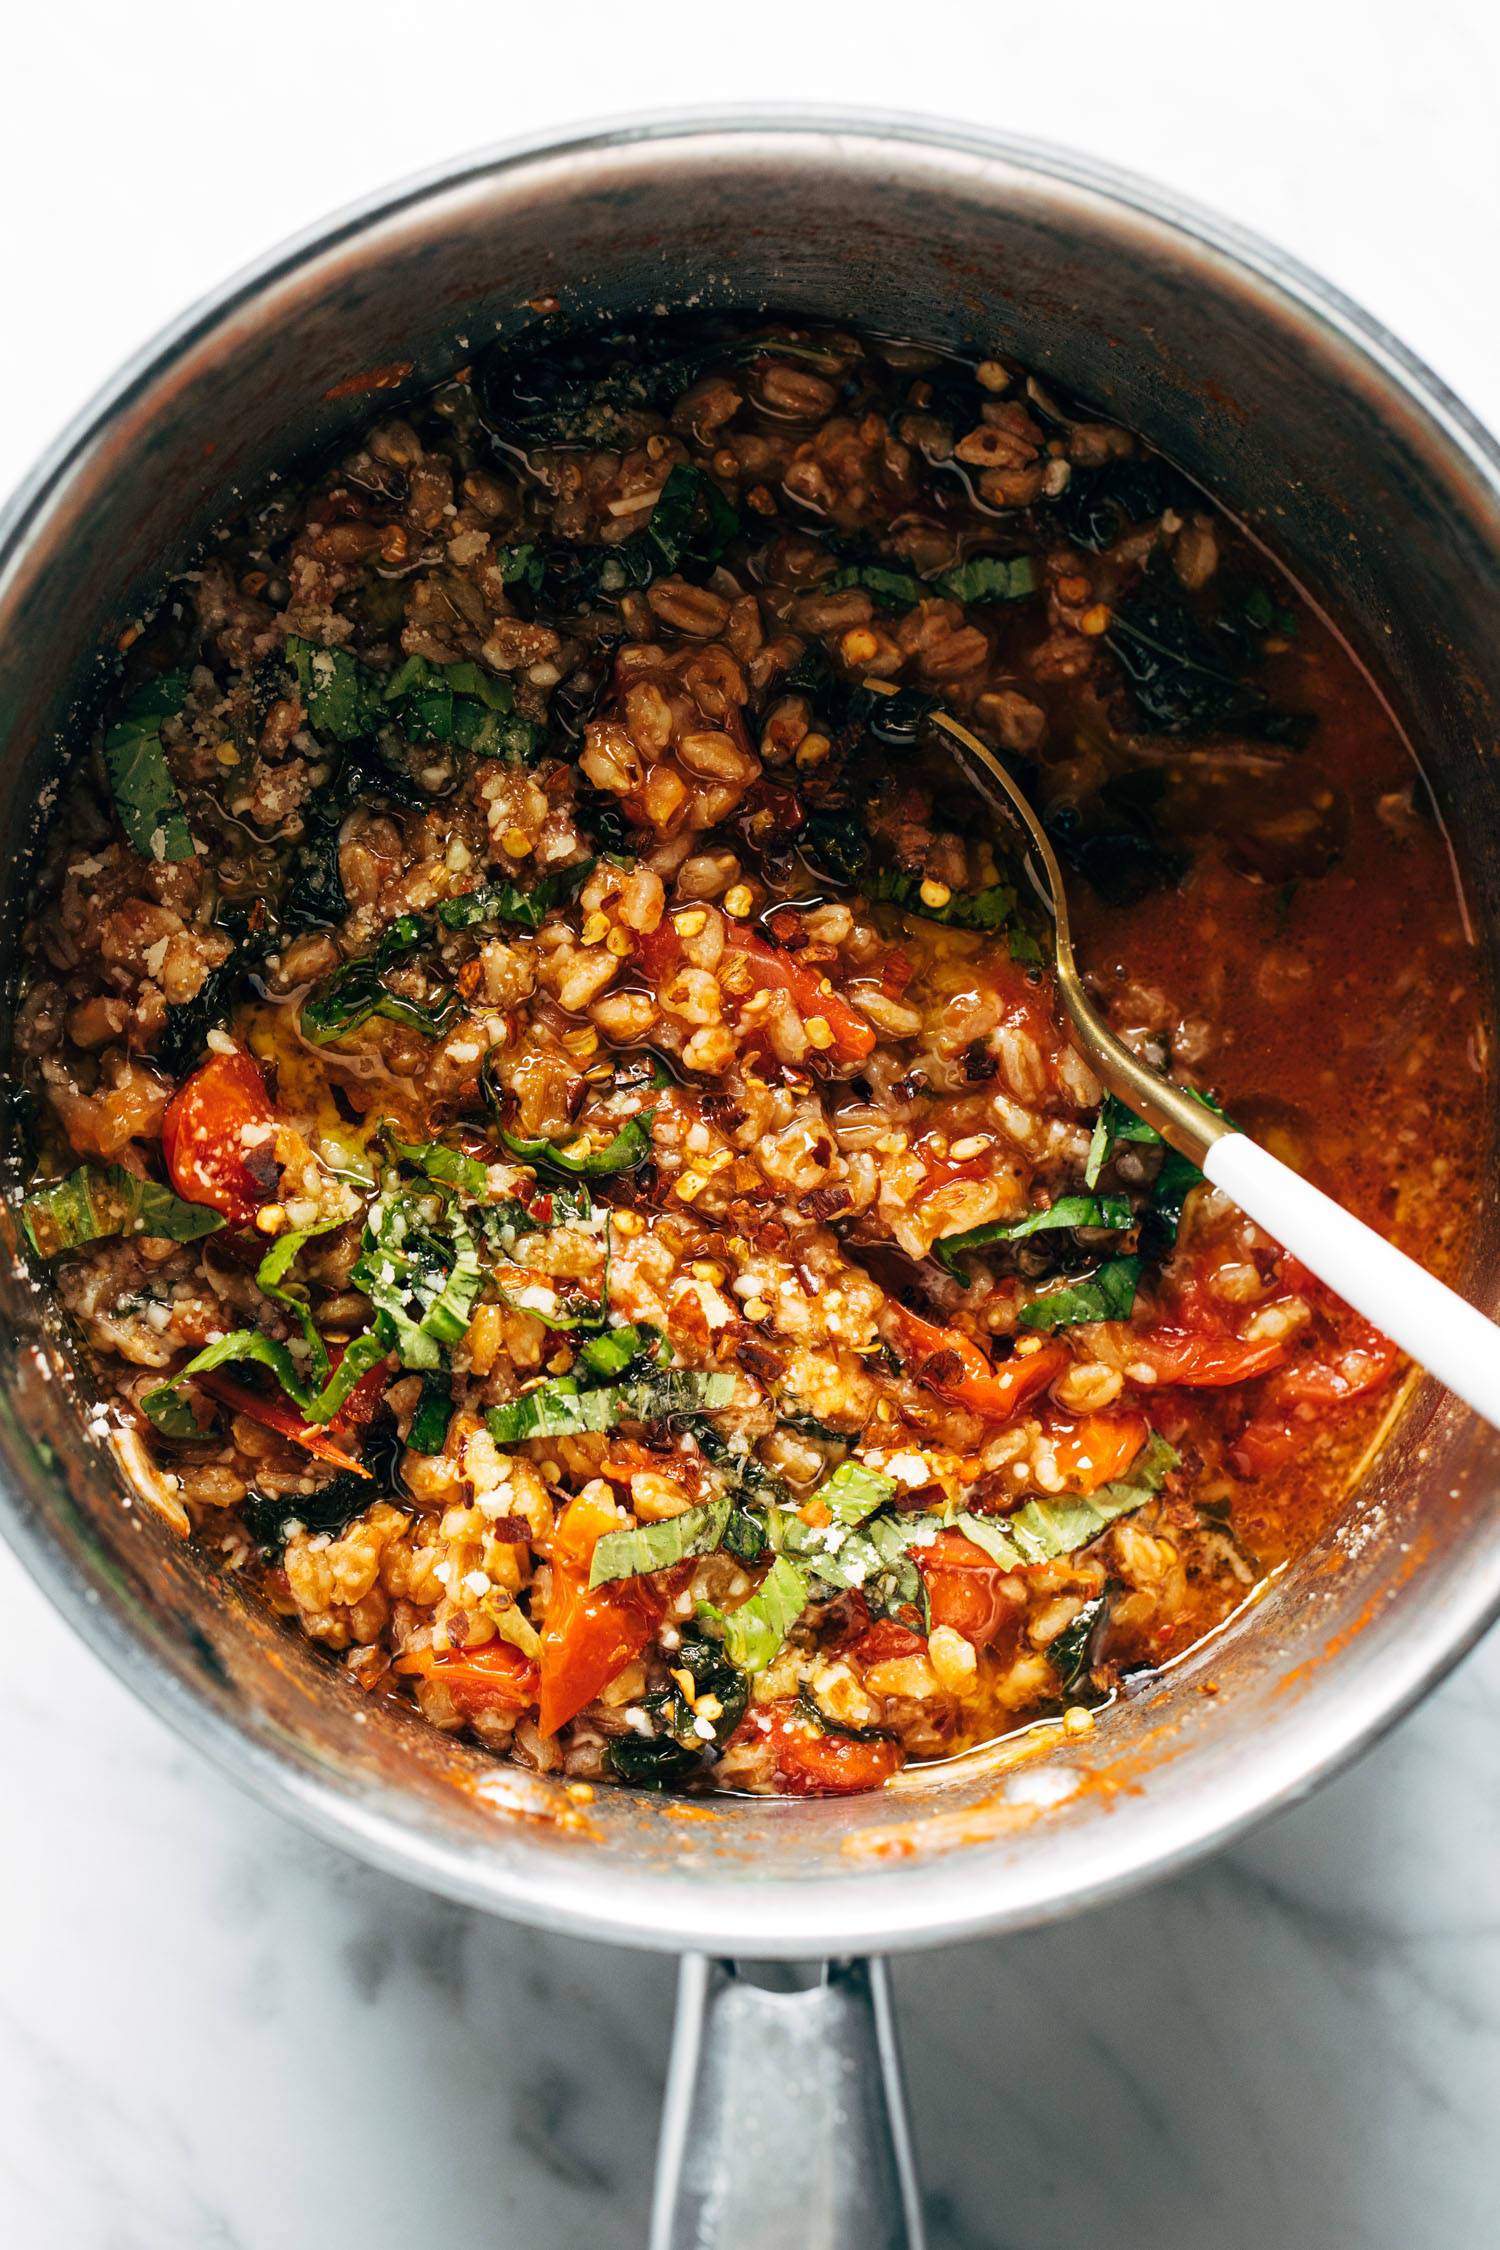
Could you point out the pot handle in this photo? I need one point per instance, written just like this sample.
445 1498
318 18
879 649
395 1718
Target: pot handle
784 2125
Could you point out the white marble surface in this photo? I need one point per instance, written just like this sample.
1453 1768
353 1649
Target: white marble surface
216 2034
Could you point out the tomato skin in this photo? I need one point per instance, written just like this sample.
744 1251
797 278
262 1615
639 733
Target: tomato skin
202 1140
964 1589
589 1637
810 1764
885 1641
951 1364
1205 1363
494 1677
1097 1448
771 970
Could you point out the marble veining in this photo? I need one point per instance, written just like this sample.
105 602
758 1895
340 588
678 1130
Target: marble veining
219 2034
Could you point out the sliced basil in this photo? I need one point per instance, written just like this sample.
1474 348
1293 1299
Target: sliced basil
92 1203
506 902
422 1277
989 578
270 1277
854 1492
625 1153
896 589
140 778
444 1166
520 566
1068 1211
1115 1123
242 1347
752 1634
1106 1294
460 703
636 1346
655 1546
250 1347
1046 1530
342 697
560 1409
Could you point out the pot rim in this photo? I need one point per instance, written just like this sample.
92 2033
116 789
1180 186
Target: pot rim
939 1900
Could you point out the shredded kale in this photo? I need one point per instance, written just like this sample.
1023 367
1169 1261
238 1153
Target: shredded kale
429 1424
1189 678
1071 1653
332 1508
184 1035
140 778
506 902
684 1738
989 909
1098 506
357 991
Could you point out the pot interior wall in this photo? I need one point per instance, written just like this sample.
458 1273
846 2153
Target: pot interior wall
1296 429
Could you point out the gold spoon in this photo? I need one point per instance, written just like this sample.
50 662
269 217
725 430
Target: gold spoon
1451 1338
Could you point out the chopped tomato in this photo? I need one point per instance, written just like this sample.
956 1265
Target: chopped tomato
884 1642
589 1638
1096 1448
811 993
275 1413
942 1171
951 1364
964 1589
1350 1363
810 1763
219 1139
1204 1363
495 1677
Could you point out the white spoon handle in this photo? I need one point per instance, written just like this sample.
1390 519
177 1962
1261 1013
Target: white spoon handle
1448 1336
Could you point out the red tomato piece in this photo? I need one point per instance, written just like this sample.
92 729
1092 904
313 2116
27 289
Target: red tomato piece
589 1637
1097 1448
495 1677
274 1412
953 1365
812 1764
964 1589
883 1642
771 970
1205 1363
219 1139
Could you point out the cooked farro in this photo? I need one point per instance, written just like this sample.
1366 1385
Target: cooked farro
552 1125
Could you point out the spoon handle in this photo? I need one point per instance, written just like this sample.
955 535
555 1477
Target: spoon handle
1445 1334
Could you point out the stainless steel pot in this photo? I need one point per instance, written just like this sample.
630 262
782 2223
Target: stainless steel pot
1380 490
